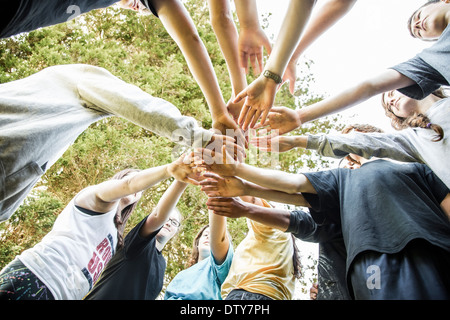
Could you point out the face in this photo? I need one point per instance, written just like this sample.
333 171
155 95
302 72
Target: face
170 228
399 104
203 244
135 5
429 22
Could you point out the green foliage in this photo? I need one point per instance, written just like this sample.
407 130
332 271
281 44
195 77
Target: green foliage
138 50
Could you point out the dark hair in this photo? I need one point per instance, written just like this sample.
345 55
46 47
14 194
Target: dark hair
193 259
296 259
121 217
417 120
408 25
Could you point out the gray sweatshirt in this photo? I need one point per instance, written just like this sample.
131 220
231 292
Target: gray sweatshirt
43 114
408 145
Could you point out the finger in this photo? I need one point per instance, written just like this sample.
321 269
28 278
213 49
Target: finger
253 60
264 115
255 118
243 60
244 111
248 118
292 86
191 181
259 57
214 176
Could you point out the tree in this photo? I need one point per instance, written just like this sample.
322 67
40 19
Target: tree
138 50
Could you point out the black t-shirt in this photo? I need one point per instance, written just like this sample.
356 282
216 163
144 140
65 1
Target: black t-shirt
332 253
383 205
135 272
33 14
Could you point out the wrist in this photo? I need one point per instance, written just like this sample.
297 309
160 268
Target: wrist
272 76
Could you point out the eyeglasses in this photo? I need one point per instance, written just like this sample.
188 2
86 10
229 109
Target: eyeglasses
174 222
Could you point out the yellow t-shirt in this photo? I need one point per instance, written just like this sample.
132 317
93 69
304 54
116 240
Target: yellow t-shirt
263 263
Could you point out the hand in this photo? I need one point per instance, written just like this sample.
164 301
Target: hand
250 45
184 169
219 161
259 97
217 186
228 127
282 119
234 109
274 143
313 291
290 75
228 207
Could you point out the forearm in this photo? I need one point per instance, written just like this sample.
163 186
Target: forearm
218 238
272 217
274 179
295 20
247 12
227 37
255 190
327 16
383 82
179 25
164 208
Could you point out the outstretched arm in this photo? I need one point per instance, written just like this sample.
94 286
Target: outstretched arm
236 208
327 15
260 94
163 209
252 39
222 163
104 196
218 237
217 186
285 120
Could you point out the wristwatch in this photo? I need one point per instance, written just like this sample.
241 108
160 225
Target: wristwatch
273 76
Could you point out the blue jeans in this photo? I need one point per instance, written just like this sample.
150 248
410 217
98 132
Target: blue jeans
240 294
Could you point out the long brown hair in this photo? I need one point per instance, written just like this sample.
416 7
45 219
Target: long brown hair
417 120
296 259
121 217
193 259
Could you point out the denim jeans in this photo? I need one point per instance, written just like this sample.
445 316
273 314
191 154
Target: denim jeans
240 294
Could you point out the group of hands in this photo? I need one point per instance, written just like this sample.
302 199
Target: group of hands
252 108
214 171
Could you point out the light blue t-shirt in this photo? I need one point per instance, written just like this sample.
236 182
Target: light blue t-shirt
202 281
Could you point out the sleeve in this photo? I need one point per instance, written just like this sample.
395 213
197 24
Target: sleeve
221 270
427 78
381 145
303 227
438 188
326 201
149 5
102 91
134 244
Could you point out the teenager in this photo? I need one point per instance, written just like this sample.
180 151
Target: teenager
265 263
210 262
67 262
136 272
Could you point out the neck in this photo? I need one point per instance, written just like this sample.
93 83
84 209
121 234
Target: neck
159 245
427 102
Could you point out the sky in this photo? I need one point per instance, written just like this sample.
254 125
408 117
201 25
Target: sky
369 39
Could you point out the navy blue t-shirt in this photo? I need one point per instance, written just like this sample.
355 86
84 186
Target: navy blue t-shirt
429 69
135 272
383 205
33 14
